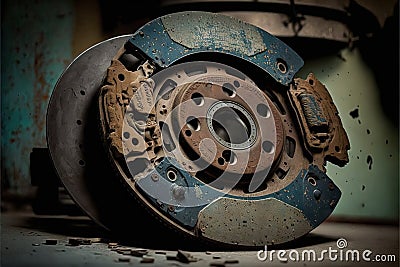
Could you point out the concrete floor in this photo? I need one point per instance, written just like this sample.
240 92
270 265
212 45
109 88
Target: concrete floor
23 238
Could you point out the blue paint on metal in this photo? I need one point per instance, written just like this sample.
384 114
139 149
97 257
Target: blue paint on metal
154 41
312 111
300 194
187 216
316 200
35 48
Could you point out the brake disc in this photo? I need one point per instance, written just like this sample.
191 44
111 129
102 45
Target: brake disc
204 124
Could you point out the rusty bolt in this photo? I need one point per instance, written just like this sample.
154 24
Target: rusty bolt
171 208
178 192
317 194
154 177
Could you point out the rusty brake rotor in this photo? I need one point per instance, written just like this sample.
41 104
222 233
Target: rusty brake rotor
206 127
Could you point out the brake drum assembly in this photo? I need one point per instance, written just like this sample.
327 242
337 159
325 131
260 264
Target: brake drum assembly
203 126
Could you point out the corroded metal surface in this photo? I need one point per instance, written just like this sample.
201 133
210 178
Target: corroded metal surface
278 59
120 86
252 223
207 31
248 148
320 122
195 141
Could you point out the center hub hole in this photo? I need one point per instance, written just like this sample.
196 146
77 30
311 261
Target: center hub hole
231 125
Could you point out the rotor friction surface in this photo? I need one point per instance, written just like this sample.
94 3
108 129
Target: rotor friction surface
72 131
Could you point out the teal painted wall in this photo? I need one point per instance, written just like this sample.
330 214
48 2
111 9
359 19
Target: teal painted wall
36 45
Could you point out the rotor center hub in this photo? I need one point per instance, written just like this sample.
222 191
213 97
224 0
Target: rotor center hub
231 125
226 122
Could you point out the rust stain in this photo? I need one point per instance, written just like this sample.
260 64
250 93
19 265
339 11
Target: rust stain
45 97
16 132
41 86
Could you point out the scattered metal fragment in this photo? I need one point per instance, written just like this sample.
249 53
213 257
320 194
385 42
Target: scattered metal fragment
35 244
74 242
112 245
217 263
216 257
171 258
185 257
147 260
51 242
139 252
122 250
79 241
96 239
231 261
86 241
124 259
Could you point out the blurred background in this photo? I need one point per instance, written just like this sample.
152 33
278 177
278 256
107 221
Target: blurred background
351 46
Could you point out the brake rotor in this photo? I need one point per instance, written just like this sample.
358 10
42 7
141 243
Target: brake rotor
205 126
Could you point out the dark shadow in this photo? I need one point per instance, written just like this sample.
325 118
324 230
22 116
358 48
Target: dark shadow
381 52
314 48
68 226
311 239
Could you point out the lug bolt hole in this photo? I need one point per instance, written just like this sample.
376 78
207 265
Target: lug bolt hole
229 90
171 174
198 99
312 181
193 123
229 157
263 110
281 65
121 77
268 147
